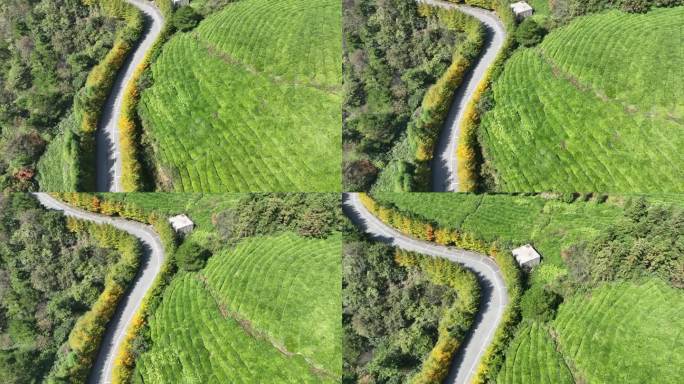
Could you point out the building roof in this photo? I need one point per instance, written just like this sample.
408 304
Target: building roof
525 254
180 222
521 7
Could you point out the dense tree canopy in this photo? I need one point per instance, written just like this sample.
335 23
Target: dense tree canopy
47 48
49 277
390 314
648 240
308 214
392 55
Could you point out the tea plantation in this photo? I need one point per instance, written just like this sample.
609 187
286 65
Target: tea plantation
621 333
532 358
250 100
597 106
266 311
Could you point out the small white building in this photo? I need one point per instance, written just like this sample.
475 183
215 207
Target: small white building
521 10
180 3
182 224
527 256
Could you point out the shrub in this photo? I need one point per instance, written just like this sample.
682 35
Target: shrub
529 33
191 256
185 19
540 304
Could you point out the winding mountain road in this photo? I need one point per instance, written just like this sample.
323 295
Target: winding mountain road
108 166
445 162
494 297
150 266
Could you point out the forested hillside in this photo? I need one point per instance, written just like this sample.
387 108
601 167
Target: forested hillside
392 54
47 48
51 274
404 314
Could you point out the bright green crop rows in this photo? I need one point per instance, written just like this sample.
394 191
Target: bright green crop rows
549 224
625 333
229 322
532 358
250 101
598 106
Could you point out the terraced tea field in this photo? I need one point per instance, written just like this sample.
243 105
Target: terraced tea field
532 358
250 100
624 333
596 107
267 311
550 225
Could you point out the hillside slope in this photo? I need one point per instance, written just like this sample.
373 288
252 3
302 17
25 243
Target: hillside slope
249 100
597 106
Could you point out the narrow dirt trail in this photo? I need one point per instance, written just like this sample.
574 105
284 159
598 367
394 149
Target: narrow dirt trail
494 294
150 266
108 166
445 162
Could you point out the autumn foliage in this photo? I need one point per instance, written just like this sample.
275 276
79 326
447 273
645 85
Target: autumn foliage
457 319
423 229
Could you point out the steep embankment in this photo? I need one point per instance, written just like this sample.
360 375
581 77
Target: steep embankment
108 160
101 372
494 295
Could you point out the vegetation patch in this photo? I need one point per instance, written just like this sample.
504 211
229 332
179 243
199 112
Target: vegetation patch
407 315
61 281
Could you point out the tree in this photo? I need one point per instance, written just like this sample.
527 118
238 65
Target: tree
191 256
529 33
186 19
540 304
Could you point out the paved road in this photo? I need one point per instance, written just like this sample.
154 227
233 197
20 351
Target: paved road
153 258
108 152
444 163
494 295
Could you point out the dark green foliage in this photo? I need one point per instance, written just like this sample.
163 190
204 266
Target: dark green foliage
646 241
190 256
392 55
185 18
390 315
49 277
312 215
47 48
539 303
529 33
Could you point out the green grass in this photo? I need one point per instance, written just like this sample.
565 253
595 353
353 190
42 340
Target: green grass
267 311
532 358
250 100
596 107
198 206
549 224
625 333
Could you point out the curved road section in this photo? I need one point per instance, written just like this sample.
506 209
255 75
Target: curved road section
108 167
494 295
153 258
445 162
